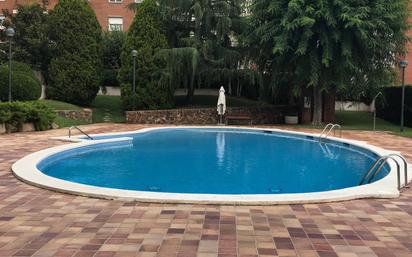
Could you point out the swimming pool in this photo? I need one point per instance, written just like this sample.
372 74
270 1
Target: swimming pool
214 164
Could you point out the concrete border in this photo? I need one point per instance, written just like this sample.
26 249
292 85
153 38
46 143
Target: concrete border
26 170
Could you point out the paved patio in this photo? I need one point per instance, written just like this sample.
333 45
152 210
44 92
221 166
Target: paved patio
37 222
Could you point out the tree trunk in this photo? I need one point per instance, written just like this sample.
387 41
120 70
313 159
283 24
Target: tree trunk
317 106
189 96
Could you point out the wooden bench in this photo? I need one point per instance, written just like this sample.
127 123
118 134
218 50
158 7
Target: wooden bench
238 117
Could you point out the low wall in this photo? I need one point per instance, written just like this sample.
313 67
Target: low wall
205 116
85 114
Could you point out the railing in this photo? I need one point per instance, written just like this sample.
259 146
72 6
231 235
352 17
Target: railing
369 176
75 127
332 127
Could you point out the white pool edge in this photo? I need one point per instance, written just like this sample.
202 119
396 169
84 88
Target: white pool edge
26 170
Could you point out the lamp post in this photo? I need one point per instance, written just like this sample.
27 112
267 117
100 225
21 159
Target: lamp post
403 64
374 110
134 55
10 34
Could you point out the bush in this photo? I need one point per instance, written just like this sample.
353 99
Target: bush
76 63
25 85
390 107
17 113
151 97
145 36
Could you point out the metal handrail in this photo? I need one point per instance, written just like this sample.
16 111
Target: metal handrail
75 127
405 166
332 127
382 160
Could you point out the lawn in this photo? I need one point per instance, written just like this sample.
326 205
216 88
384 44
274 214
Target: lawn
57 105
364 121
107 109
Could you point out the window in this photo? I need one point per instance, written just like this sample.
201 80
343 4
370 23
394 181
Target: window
115 23
115 1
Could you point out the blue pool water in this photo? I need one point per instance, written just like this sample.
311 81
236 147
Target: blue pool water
214 161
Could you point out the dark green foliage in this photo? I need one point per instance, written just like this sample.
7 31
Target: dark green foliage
17 113
390 107
153 97
144 35
109 78
328 44
206 52
25 85
112 42
74 70
30 43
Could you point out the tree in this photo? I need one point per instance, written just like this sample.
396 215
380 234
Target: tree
112 42
206 51
76 64
328 44
30 43
145 36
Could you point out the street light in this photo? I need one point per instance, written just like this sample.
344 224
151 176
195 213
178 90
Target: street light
10 34
374 110
134 55
403 64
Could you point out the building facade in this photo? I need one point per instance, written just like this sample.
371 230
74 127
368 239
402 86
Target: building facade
112 14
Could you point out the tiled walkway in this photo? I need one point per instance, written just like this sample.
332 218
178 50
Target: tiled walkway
37 222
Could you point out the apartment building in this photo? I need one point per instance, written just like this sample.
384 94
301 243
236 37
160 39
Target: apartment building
112 14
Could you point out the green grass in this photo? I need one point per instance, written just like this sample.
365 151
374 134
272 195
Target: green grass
109 107
57 105
66 122
211 101
364 121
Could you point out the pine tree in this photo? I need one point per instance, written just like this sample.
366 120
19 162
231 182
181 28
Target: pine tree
74 69
328 44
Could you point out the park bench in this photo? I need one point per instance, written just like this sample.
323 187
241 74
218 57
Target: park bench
238 117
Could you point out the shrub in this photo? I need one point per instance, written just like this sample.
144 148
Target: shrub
76 62
151 97
146 37
25 85
390 107
17 113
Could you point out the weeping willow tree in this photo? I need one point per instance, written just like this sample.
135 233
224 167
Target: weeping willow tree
203 35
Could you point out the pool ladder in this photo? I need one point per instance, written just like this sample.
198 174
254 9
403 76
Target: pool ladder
332 127
381 161
81 131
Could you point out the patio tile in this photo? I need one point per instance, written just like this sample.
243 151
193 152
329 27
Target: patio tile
42 223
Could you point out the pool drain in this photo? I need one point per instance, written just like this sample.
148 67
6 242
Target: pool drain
275 190
153 188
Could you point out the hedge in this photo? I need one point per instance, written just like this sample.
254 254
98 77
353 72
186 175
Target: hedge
390 107
17 113
25 85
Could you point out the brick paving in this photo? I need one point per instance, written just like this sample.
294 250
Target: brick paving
38 222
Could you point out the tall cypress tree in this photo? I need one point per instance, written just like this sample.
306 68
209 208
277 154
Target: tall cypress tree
74 69
146 37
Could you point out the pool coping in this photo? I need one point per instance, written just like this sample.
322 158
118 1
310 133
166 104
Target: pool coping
26 170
